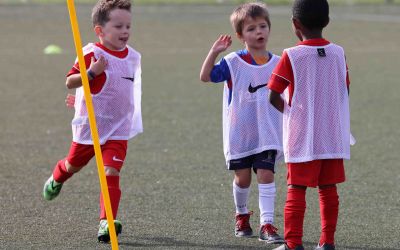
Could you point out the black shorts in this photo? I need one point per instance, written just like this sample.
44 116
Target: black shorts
263 160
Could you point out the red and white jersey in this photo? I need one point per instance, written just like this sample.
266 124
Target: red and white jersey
117 105
316 125
250 123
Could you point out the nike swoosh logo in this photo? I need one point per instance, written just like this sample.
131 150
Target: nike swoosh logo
254 89
128 78
116 159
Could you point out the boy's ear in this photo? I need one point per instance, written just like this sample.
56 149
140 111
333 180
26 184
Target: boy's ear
296 23
98 30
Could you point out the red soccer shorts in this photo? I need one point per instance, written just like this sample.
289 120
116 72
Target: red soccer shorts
316 173
113 151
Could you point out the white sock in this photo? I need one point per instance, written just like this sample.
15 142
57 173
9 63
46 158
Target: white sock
240 197
266 201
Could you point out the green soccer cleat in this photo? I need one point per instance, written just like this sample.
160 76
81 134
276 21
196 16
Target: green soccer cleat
103 235
51 189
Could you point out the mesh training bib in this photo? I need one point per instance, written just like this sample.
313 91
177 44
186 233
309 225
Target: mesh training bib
250 124
117 106
317 125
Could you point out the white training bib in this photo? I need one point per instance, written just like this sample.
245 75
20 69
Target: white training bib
117 106
251 124
317 124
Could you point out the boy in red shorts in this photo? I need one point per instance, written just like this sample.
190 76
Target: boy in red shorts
316 121
114 74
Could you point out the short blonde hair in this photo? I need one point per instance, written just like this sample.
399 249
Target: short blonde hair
102 9
252 10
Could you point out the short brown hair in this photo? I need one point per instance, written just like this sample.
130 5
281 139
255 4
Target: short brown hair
252 10
101 11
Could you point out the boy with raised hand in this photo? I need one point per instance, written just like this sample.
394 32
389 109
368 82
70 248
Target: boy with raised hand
252 131
114 74
316 121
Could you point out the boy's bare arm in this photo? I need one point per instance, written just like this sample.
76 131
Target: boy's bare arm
276 100
220 45
96 68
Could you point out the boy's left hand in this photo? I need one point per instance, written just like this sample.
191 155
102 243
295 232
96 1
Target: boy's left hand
70 101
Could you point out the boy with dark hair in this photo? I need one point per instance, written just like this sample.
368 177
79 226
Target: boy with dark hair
316 121
252 128
114 74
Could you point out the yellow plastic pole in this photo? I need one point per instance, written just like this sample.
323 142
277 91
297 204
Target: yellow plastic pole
93 126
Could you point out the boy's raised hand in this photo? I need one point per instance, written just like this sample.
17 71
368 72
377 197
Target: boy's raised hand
222 43
97 67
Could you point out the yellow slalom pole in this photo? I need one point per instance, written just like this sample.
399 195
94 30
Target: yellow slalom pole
93 126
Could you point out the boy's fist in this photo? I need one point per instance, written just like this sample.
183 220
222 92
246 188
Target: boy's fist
70 101
97 67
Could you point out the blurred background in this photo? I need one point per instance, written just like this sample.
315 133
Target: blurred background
176 191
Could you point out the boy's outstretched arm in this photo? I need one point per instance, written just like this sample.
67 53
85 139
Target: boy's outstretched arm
276 100
222 43
96 68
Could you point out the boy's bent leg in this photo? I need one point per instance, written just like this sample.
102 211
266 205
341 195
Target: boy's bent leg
60 172
53 185
295 208
329 209
79 155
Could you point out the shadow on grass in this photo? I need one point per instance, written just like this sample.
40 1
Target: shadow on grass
171 242
342 247
151 242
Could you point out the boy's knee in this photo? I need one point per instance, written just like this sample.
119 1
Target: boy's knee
111 171
71 169
265 176
243 178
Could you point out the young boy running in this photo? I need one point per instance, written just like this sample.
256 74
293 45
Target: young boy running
316 121
251 126
114 74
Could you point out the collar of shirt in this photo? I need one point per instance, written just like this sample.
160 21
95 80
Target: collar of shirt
314 42
117 53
